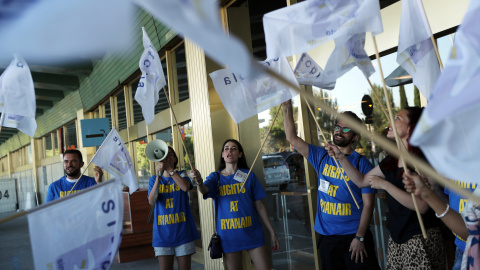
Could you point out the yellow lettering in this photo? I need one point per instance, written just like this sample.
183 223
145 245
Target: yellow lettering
325 170
169 203
462 204
333 171
348 211
233 206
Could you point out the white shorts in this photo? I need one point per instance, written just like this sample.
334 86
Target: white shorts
182 250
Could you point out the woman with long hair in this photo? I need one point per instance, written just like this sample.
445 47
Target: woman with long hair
174 231
407 249
239 210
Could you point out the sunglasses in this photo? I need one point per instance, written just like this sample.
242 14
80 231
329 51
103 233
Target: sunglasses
343 129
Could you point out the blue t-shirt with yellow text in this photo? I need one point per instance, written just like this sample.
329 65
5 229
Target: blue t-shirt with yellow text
238 223
62 187
458 204
173 224
337 213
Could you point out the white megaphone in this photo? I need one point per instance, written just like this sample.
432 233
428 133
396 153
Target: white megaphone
156 150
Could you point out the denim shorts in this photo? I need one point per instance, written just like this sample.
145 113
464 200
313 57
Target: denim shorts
182 250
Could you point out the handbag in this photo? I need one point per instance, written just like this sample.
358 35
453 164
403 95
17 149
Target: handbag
215 246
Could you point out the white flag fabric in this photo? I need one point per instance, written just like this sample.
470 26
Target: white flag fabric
448 129
415 49
152 80
199 21
114 157
308 72
17 97
244 98
349 52
80 231
303 26
58 31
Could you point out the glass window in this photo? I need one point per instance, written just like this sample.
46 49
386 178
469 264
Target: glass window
29 154
137 109
108 113
182 79
187 137
143 164
166 136
71 136
122 112
55 141
48 145
162 103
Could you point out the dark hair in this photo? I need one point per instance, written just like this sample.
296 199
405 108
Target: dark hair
74 151
413 115
176 158
242 161
354 118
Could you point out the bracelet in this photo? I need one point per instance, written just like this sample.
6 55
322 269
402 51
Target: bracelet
444 213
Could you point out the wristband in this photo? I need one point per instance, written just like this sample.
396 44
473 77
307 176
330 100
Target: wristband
444 213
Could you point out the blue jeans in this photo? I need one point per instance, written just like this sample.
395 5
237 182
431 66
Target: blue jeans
457 263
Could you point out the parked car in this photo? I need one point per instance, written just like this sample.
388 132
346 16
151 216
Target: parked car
276 171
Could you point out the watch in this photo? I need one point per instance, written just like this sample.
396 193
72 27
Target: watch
172 173
359 238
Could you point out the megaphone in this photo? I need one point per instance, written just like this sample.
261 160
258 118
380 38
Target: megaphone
156 150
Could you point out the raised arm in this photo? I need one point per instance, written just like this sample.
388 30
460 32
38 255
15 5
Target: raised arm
454 221
152 196
290 133
377 180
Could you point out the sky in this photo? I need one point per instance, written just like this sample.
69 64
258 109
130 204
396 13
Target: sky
352 86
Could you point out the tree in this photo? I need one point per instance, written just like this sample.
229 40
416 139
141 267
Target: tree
403 97
277 141
416 98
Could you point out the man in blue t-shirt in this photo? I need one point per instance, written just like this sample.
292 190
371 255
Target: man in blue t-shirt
344 239
72 163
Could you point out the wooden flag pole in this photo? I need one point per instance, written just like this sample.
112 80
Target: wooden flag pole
336 162
432 38
379 100
397 139
178 127
261 147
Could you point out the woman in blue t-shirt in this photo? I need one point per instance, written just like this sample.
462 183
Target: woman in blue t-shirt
239 210
174 231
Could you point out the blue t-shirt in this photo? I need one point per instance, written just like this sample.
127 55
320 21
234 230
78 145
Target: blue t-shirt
173 224
458 204
238 223
337 213
62 187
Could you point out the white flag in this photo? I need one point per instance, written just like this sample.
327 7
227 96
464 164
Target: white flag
448 130
199 21
80 231
58 30
17 97
301 27
244 98
114 157
308 72
152 79
415 49
349 53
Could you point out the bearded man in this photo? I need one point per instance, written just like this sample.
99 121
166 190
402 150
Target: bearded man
72 163
344 240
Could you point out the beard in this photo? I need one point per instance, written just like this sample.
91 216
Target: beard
342 143
72 173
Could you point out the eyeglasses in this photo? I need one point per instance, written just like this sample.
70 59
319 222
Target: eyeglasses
343 129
